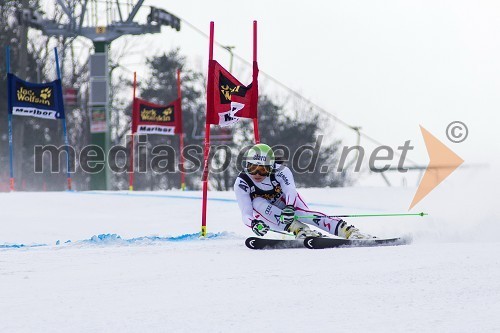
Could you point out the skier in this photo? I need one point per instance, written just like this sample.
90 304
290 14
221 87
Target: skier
268 199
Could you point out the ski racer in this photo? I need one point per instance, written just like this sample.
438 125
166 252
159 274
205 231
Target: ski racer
268 199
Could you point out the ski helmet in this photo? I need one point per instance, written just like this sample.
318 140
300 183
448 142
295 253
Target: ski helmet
260 154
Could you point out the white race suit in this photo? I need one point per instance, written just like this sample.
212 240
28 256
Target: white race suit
265 200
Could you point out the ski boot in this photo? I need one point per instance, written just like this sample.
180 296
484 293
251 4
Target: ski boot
301 230
351 232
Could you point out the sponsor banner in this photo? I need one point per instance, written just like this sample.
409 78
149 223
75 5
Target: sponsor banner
34 112
156 129
41 100
150 114
228 99
151 118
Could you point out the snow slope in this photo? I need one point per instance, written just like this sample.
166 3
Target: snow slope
157 276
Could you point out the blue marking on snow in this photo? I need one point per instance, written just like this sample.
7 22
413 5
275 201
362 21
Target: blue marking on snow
174 196
114 239
19 246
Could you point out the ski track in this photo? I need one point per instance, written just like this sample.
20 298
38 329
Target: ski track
135 263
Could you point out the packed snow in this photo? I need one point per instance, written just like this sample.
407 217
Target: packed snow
133 262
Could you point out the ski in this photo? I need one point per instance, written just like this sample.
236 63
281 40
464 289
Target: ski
256 243
326 242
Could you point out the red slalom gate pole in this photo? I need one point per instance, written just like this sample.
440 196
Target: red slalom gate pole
255 120
132 141
181 138
183 174
207 135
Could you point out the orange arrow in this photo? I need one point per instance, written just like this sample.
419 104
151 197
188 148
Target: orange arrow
442 163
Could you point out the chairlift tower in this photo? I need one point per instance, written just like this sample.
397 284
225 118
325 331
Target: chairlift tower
84 18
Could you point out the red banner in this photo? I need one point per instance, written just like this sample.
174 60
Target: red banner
150 118
228 99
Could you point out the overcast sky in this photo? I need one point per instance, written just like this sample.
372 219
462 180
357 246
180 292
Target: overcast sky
388 66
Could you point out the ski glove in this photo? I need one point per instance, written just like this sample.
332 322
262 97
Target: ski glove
259 227
288 214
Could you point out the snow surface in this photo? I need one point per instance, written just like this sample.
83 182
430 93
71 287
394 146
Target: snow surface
121 262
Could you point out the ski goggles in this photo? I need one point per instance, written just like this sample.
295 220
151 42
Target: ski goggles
255 169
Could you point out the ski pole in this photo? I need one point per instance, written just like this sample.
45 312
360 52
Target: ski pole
360 215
